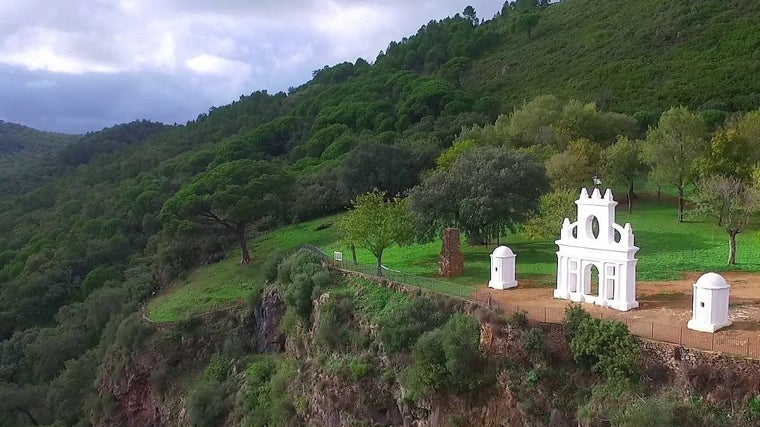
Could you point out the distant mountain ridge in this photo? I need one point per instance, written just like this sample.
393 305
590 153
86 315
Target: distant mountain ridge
16 137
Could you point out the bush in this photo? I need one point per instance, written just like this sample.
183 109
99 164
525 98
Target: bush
518 319
533 344
297 296
266 401
284 269
300 270
132 332
272 264
754 407
207 405
322 280
607 347
401 326
335 317
217 369
574 316
448 359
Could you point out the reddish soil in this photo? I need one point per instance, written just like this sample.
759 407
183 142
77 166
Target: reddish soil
665 303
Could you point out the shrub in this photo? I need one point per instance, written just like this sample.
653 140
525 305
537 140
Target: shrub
401 326
754 407
335 317
207 405
322 280
518 319
533 344
266 401
574 316
358 369
284 269
132 332
607 347
297 296
272 264
532 378
448 359
217 369
300 270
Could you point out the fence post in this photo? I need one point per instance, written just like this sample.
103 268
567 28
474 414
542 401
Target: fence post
680 338
712 342
545 321
747 354
651 335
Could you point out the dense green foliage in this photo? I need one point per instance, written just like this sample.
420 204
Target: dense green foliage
82 243
606 346
376 224
448 359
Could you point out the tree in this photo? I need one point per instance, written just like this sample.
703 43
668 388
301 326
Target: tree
484 192
731 200
470 15
527 21
672 149
554 208
390 168
231 196
376 224
728 154
622 163
574 167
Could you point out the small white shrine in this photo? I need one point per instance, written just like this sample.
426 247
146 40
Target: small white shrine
596 246
502 269
710 305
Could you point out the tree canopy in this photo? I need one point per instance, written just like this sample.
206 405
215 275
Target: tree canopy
376 224
672 149
232 196
486 191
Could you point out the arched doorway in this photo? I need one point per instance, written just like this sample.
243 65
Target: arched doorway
591 280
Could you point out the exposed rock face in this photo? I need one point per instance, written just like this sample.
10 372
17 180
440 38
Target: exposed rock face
133 390
451 260
261 328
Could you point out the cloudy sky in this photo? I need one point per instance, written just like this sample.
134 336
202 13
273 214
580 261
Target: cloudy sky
81 65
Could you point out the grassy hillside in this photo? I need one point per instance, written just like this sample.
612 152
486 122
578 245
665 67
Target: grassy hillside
631 55
663 255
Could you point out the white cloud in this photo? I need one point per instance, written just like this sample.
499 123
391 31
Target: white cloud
214 65
214 51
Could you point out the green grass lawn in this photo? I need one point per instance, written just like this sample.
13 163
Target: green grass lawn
228 282
668 249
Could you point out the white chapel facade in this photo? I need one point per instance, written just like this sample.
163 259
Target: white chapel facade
594 245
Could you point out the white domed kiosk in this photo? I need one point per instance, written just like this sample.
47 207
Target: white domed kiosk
502 269
710 305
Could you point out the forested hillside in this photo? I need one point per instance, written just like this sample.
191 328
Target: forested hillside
631 56
87 235
15 138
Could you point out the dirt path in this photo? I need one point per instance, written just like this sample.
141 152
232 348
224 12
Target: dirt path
664 303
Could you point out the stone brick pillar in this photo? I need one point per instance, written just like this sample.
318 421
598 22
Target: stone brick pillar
451 259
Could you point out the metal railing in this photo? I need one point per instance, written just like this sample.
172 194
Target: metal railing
679 335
